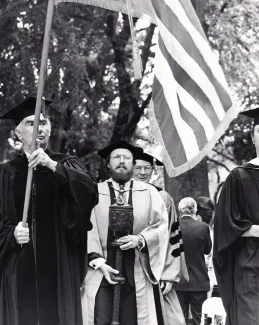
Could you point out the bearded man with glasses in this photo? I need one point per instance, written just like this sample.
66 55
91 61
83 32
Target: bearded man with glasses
144 248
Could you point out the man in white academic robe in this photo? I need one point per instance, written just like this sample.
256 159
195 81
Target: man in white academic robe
144 250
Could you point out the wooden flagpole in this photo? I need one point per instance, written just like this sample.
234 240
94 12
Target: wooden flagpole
43 68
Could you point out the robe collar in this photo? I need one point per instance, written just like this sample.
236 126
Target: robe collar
137 186
254 161
250 165
186 216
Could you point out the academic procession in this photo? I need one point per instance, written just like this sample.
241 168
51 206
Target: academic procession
120 203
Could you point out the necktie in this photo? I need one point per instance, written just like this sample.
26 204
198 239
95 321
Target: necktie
121 195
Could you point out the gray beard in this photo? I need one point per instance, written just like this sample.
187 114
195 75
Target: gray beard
120 177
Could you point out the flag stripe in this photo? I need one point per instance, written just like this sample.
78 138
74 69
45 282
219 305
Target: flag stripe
189 85
192 68
200 42
191 14
171 139
196 110
177 30
187 95
167 81
194 124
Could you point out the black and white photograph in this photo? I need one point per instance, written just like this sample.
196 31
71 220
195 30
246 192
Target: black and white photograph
129 162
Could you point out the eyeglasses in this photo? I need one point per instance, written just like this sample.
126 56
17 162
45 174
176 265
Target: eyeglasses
118 157
147 169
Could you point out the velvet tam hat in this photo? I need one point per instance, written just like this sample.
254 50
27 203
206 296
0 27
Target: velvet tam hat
24 109
105 152
141 155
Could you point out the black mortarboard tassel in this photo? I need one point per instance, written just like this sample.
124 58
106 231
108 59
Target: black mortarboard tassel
252 113
24 109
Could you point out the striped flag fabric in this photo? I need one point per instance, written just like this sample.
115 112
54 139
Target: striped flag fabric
191 107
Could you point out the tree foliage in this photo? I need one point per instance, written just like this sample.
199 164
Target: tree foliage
90 78
233 30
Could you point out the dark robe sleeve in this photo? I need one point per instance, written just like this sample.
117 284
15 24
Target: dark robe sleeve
93 256
230 224
8 220
82 192
8 249
77 196
7 239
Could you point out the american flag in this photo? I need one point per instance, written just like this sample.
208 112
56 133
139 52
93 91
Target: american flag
191 107
138 7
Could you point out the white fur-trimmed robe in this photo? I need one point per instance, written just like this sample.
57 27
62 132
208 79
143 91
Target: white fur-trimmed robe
151 221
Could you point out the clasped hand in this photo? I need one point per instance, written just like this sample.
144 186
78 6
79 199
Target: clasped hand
165 287
39 157
128 242
107 272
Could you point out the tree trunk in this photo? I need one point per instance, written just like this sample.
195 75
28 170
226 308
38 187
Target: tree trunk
193 183
130 111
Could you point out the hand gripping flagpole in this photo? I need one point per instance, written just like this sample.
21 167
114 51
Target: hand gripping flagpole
43 68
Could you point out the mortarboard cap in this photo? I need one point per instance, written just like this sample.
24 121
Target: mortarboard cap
24 109
252 113
141 155
105 152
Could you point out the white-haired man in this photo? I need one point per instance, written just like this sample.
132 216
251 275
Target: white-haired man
197 243
42 265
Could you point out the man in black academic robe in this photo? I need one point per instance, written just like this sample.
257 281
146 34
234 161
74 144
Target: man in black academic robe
236 239
40 279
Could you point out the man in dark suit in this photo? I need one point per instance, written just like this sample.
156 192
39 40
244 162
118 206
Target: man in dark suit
196 242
